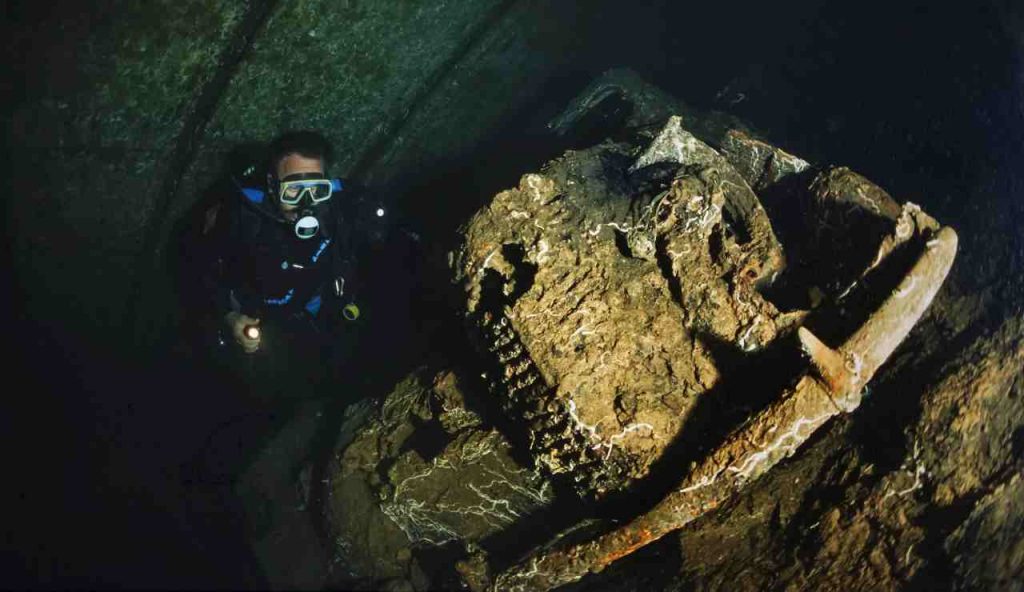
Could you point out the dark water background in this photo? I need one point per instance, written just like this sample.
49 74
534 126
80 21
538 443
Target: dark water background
923 98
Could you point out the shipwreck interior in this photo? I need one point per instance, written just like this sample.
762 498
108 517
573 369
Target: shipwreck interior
141 454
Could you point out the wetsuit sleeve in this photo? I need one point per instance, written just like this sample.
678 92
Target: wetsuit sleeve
224 239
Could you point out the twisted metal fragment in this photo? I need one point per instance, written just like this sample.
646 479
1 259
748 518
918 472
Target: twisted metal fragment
833 386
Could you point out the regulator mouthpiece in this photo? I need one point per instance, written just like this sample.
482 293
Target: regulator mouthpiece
307 226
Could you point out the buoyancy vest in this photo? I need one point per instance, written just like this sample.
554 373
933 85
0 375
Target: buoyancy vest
276 271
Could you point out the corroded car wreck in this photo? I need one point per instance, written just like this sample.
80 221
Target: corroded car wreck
611 295
600 310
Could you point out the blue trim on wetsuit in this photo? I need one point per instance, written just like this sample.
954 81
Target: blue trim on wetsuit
323 245
283 300
313 306
254 195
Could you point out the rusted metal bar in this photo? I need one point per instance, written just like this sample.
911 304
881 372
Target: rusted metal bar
832 386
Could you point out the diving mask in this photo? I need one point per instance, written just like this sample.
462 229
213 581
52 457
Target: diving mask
306 190
294 188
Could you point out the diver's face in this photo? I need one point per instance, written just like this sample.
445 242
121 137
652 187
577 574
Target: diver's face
291 165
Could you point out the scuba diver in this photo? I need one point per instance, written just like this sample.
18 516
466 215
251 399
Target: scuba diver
281 248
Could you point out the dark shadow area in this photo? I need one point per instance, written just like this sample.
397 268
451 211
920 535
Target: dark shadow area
665 266
436 204
96 439
523 271
941 570
94 514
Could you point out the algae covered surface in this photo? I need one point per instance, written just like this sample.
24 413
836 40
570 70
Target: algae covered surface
345 68
98 141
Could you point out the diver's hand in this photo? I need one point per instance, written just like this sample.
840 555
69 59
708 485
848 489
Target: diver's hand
238 322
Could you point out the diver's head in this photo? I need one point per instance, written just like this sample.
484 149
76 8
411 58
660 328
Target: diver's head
297 179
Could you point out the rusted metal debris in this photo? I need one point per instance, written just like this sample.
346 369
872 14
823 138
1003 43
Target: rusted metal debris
833 385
